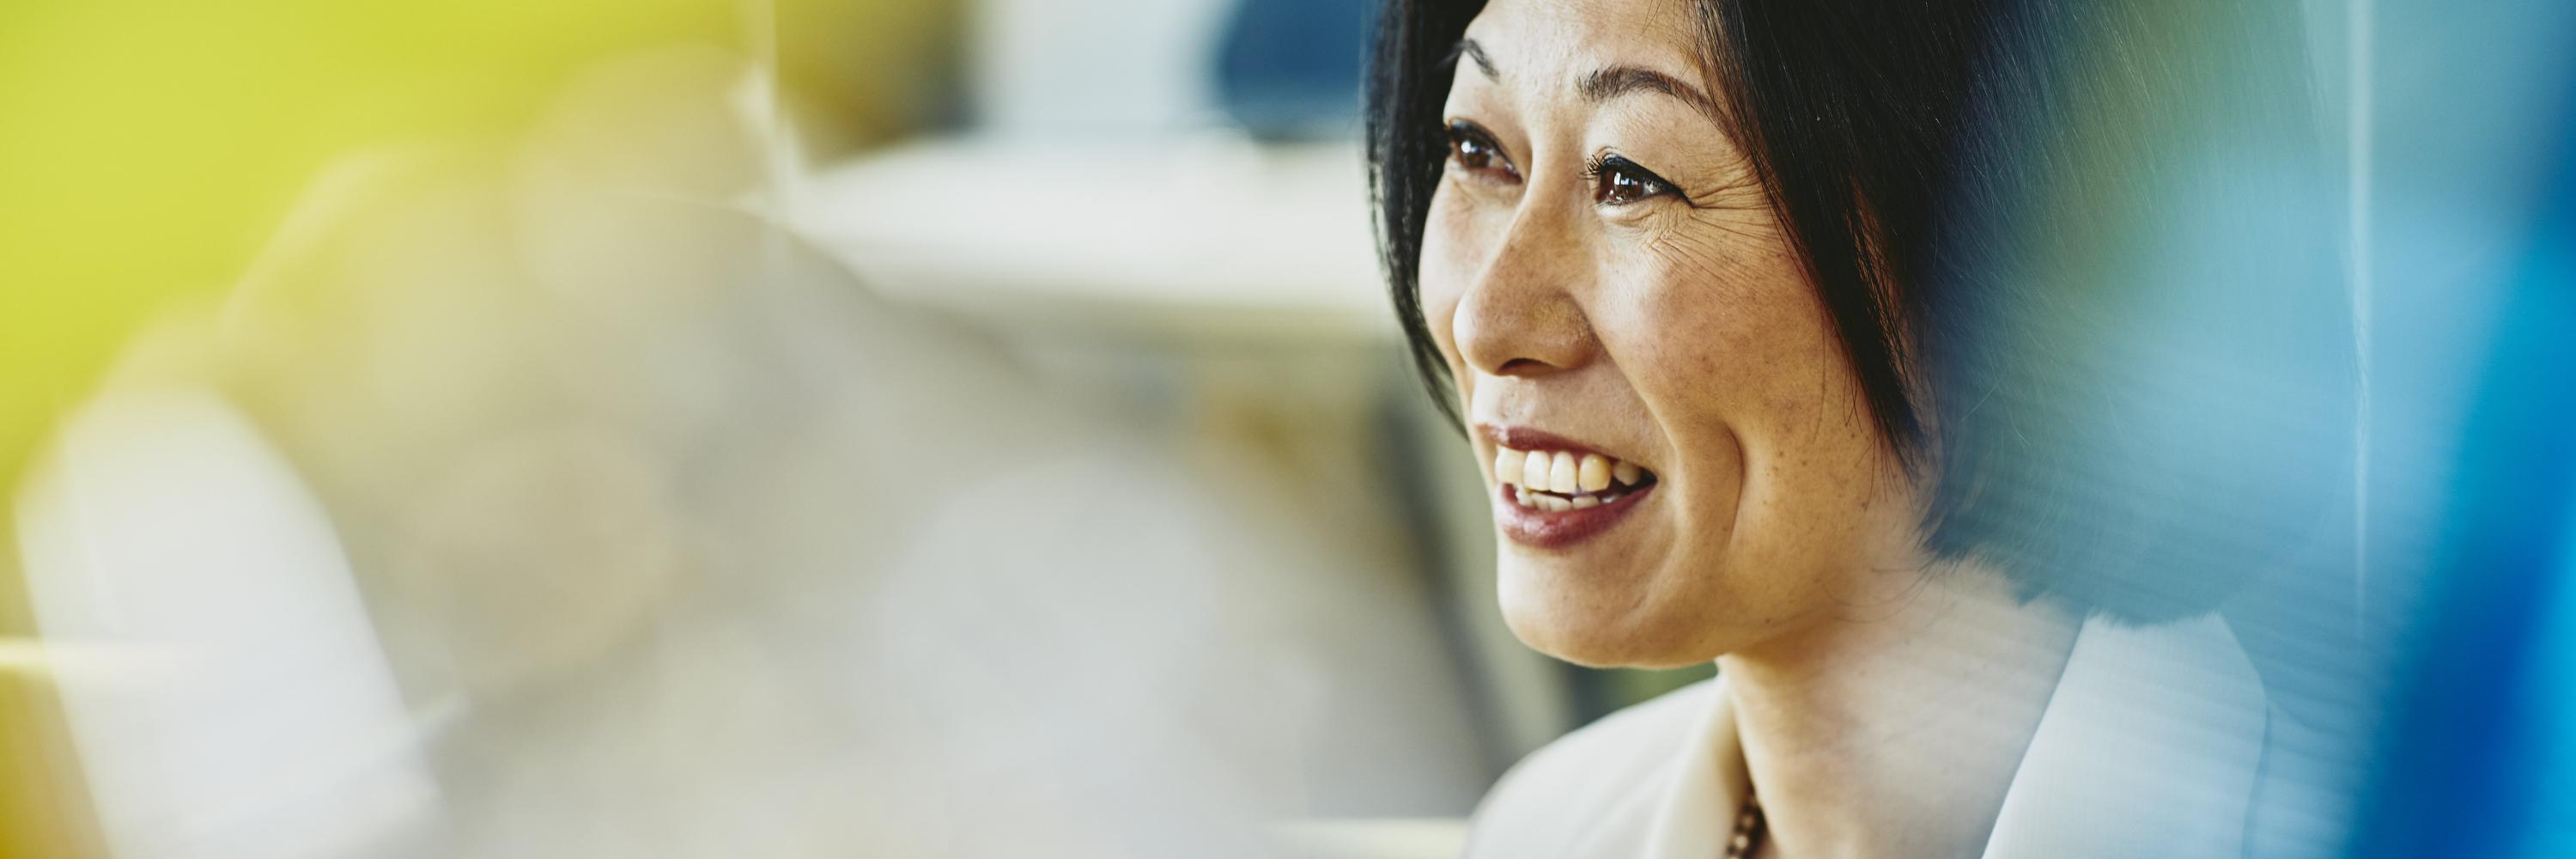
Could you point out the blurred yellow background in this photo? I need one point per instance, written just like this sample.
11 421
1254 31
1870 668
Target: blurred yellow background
151 149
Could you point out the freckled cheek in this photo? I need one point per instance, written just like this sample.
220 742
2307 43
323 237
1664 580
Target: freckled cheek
1684 350
1752 337
1728 366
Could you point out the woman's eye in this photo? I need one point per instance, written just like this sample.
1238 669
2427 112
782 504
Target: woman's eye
1476 152
1617 181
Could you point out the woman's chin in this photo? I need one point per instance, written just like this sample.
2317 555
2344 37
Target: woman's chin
1592 625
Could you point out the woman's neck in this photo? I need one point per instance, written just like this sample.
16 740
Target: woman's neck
1895 728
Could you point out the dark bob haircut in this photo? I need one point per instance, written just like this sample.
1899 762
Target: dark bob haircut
2080 257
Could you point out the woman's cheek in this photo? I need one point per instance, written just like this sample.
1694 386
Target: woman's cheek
1673 324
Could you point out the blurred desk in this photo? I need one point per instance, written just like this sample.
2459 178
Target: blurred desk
1197 238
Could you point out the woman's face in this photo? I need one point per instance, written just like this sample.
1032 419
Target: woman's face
1605 277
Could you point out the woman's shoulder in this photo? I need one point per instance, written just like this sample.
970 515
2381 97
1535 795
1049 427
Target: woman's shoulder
1571 795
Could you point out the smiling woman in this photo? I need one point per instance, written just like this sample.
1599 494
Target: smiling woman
1902 358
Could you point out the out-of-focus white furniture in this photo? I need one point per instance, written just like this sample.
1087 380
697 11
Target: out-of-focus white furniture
1211 236
239 703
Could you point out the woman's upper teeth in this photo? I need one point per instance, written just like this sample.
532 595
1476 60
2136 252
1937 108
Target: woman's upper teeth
1563 472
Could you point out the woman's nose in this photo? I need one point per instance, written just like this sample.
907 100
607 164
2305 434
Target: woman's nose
1521 316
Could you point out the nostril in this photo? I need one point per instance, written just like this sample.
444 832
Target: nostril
1521 366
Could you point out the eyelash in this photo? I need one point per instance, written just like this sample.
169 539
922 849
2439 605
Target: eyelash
1605 167
1463 134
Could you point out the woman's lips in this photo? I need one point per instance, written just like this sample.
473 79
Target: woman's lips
1556 529
1553 498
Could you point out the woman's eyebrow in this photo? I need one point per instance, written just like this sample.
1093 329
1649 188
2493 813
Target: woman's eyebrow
1469 49
1606 84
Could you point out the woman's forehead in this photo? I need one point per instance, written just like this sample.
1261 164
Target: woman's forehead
1544 44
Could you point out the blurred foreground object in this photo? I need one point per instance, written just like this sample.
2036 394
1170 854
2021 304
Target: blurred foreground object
2476 241
605 518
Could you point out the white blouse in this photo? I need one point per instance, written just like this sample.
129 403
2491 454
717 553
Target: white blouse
2149 747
